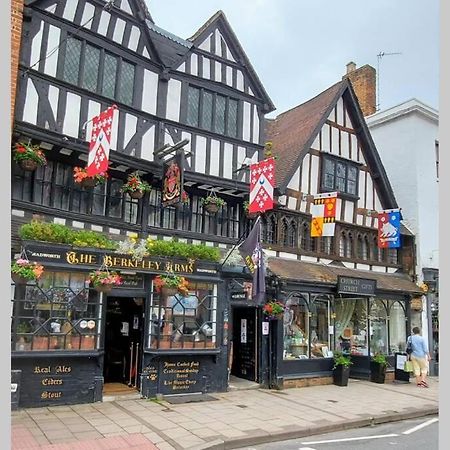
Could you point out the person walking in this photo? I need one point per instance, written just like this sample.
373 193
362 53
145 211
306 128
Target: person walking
419 357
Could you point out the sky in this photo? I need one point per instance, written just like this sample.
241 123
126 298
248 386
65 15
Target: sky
299 48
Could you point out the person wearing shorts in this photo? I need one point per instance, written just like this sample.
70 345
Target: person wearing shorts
419 357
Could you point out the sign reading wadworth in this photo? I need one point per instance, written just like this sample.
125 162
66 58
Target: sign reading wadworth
72 257
359 286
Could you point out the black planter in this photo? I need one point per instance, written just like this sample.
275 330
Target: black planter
377 372
340 375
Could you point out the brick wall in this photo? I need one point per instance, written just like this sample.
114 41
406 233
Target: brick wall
364 84
16 33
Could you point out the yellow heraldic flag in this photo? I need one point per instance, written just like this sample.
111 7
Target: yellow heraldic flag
323 212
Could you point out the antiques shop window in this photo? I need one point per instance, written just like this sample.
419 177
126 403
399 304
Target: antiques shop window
211 111
184 322
397 327
378 327
98 71
339 175
319 324
296 328
57 313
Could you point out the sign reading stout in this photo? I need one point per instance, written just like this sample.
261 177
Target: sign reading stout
356 286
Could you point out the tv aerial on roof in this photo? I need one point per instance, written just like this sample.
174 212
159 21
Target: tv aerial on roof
379 56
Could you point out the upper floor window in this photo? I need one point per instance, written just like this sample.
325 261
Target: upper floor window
98 71
339 175
213 112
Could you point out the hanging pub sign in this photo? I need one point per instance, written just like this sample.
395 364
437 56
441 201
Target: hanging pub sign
173 180
389 228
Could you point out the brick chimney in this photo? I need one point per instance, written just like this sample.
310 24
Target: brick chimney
364 84
16 34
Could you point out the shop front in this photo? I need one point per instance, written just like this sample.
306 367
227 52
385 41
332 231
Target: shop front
72 344
331 308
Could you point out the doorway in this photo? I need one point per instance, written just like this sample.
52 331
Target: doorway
245 342
123 343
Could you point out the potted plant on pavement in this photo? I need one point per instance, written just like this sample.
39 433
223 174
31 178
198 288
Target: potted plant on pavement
341 369
23 271
28 156
212 203
273 310
378 365
81 177
104 280
135 186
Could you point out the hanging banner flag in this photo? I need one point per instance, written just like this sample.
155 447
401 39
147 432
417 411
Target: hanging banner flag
323 212
173 180
253 255
100 144
262 182
389 228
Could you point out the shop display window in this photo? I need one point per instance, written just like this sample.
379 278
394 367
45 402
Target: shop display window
320 326
184 322
378 327
397 328
296 328
59 312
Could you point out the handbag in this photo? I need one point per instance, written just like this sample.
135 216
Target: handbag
408 366
409 348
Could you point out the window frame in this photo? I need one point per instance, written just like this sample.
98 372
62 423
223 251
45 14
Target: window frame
348 164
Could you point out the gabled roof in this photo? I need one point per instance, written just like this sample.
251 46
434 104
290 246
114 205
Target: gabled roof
293 132
219 20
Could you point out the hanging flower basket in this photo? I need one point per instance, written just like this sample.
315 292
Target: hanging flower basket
171 284
212 203
135 186
273 310
28 156
81 177
24 271
104 280
248 214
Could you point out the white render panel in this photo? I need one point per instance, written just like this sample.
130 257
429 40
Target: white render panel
303 205
250 92
375 223
316 144
215 158
391 270
338 208
53 97
135 35
115 129
188 136
239 80
168 140
104 22
148 144
182 67
287 255
53 43
348 212
308 258
173 100
36 46
229 74
363 266
126 7
206 68
217 37
361 189
51 9
361 156
149 92
200 154
340 111
378 206
334 140
31 104
241 156
72 117
325 261
354 147
246 122
294 183
292 203
228 160
194 64
345 150
118 31
88 13
206 44
130 128
255 137
145 53
349 265
359 219
314 174
379 269
230 55
93 110
218 71
326 138
305 173
70 10
369 199
348 121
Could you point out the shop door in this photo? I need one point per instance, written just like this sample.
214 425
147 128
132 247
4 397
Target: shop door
244 343
123 340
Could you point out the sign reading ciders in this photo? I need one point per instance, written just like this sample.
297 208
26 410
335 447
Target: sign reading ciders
359 286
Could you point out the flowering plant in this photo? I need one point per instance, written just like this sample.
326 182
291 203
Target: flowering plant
100 278
80 174
184 197
212 200
134 183
172 281
24 151
273 309
26 269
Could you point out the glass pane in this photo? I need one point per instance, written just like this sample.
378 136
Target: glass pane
378 328
126 83
295 329
329 181
397 329
351 187
329 166
340 184
207 110
72 60
90 73
115 199
109 76
232 118
352 173
193 106
340 170
220 114
99 200
319 324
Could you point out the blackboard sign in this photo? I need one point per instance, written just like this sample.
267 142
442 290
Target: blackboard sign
359 286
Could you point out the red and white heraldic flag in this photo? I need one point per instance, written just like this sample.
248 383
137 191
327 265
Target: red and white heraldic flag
262 183
100 144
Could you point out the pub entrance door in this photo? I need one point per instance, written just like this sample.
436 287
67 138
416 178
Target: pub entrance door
245 343
123 344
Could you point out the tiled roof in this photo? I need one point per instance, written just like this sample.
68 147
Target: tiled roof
320 273
295 129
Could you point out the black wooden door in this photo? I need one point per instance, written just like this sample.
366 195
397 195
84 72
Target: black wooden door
244 343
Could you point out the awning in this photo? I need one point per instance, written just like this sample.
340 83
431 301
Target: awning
301 271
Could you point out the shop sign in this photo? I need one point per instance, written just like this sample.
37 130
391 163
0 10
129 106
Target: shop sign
132 281
416 304
358 286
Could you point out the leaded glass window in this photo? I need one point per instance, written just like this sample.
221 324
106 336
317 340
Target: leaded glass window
220 114
232 117
193 106
207 110
72 60
126 83
339 175
91 65
109 76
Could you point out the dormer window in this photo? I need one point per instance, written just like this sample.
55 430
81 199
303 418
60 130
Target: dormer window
339 175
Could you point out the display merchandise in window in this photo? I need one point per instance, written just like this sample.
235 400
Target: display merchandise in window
378 327
397 328
296 329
